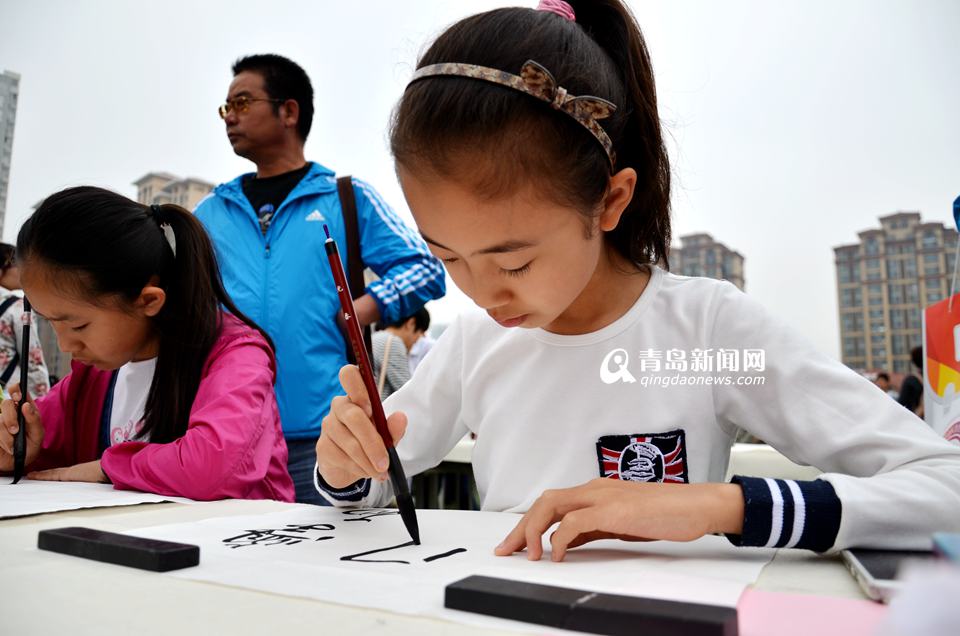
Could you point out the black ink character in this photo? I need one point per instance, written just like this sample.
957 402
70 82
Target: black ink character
291 534
354 557
444 554
367 514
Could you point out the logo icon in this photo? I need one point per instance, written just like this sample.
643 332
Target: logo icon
620 358
315 216
656 457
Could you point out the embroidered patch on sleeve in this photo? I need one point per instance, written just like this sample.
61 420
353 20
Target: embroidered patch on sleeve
659 457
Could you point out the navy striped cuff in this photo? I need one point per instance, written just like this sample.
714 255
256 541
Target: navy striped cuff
782 513
354 492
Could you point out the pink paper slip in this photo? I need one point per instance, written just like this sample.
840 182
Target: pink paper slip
765 613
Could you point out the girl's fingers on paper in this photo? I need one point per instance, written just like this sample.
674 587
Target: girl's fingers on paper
577 525
542 514
549 508
587 537
514 541
526 533
533 534
352 383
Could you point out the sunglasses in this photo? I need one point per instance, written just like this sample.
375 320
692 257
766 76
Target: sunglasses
242 104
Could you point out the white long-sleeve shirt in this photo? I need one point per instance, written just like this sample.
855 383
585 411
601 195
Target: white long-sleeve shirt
554 411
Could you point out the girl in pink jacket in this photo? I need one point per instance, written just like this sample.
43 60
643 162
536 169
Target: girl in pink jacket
172 386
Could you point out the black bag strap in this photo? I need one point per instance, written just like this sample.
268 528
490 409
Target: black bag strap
6 304
348 204
12 366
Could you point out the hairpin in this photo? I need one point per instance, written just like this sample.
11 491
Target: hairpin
537 81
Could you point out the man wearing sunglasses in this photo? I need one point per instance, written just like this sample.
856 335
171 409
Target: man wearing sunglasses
267 228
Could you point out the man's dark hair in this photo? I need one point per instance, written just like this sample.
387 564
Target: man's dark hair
883 375
282 79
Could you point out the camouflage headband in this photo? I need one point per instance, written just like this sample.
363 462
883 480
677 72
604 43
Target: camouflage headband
537 81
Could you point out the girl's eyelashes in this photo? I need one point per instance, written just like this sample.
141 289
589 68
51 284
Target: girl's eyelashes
520 271
80 327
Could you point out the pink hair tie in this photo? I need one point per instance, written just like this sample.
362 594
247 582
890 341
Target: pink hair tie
559 7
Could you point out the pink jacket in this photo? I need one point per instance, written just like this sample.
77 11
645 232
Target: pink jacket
233 447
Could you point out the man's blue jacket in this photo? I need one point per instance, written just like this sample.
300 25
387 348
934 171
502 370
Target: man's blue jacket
283 282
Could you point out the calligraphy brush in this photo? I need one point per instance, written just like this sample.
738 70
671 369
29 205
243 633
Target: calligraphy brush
20 439
404 501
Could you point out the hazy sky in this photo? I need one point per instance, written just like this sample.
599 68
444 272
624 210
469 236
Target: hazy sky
793 125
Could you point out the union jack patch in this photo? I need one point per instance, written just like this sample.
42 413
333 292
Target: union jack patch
658 457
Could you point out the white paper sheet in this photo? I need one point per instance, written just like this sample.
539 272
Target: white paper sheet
30 497
279 553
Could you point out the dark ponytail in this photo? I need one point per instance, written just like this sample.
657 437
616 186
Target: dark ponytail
100 244
644 231
442 121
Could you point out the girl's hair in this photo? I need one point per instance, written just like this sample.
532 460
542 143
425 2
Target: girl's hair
100 244
421 321
440 121
7 253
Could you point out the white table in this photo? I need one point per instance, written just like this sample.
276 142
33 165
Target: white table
47 593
